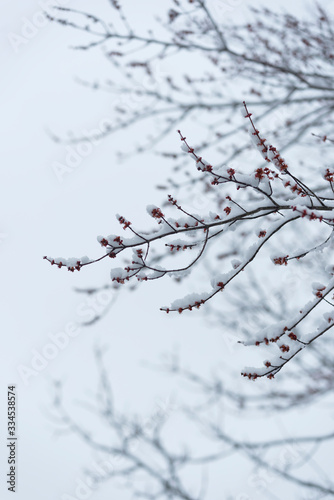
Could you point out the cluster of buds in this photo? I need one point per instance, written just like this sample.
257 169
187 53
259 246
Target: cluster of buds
60 264
120 280
251 376
281 260
231 172
186 225
172 200
128 268
157 214
318 292
260 173
305 213
179 247
118 240
275 157
123 221
283 348
329 176
73 268
197 304
104 242
269 153
273 340
71 264
201 165
295 188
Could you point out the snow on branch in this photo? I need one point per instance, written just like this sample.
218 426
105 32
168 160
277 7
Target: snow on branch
273 194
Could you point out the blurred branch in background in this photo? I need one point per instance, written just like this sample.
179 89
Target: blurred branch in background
140 455
283 65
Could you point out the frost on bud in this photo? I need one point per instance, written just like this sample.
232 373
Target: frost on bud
318 289
155 212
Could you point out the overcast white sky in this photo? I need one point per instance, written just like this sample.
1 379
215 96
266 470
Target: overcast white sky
40 215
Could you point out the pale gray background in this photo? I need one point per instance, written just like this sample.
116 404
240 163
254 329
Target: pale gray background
41 216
